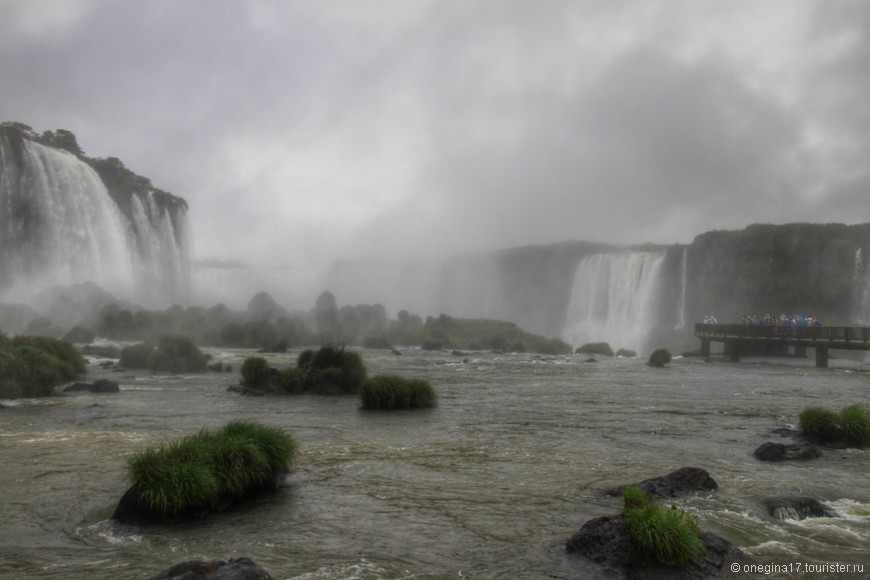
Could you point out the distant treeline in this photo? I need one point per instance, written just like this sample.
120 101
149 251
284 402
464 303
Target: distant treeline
268 326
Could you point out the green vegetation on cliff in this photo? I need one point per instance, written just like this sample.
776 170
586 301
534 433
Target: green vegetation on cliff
31 366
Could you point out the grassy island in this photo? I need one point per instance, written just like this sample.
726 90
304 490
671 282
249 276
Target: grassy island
392 392
198 472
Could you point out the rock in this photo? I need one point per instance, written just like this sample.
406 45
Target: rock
770 451
130 511
606 541
98 386
242 568
679 482
397 352
797 507
591 360
105 386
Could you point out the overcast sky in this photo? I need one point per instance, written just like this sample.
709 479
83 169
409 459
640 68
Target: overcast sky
301 131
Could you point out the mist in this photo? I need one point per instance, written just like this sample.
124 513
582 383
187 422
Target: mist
305 133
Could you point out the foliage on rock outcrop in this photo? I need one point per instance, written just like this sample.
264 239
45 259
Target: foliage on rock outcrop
32 366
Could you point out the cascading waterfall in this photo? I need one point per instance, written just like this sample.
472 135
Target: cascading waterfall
614 299
860 290
681 323
59 226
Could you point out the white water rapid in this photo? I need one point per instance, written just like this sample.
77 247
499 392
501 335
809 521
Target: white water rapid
614 299
60 226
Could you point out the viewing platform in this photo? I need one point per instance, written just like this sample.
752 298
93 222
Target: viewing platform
780 338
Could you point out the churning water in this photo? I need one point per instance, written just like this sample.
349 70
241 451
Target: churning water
489 484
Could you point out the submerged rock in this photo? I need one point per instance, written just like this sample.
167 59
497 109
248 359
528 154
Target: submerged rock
98 386
678 482
797 507
241 568
606 541
770 451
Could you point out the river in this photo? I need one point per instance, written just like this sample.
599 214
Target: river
489 484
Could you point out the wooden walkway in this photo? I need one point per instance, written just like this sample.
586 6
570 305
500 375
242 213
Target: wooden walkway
740 337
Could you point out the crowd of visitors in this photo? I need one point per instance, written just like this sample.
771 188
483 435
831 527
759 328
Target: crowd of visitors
782 320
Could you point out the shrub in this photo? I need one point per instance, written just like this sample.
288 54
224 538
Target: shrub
855 425
136 356
601 348
819 423
55 347
659 358
628 353
174 353
392 392
255 372
291 380
178 354
668 536
31 366
196 472
333 364
79 335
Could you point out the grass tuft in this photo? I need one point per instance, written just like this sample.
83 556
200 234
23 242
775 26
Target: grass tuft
393 392
668 536
855 425
196 471
820 423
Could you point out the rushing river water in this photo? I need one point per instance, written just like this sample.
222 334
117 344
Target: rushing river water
489 484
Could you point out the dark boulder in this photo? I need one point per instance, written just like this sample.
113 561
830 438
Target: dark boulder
679 482
98 386
233 569
131 511
797 507
770 451
607 542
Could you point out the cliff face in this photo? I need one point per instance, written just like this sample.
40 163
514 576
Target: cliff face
638 298
66 218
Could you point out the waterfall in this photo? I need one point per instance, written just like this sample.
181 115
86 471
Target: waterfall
860 290
682 307
60 226
614 299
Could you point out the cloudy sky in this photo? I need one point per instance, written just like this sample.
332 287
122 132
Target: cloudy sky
301 131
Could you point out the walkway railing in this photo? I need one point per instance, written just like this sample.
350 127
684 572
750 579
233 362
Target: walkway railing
784 332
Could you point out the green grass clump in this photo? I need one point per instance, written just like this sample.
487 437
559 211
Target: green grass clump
659 358
197 471
626 352
820 423
851 425
855 425
393 392
601 348
667 536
